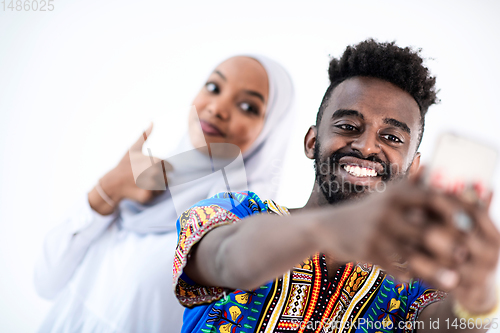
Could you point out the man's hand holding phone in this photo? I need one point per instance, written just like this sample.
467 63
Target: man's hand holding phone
453 173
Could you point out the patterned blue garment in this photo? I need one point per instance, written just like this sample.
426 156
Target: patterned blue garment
360 298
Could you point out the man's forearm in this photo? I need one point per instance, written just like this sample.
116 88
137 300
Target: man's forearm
253 251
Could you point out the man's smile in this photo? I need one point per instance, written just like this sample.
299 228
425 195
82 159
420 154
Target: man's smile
359 171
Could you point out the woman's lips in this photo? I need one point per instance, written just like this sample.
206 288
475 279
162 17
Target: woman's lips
210 129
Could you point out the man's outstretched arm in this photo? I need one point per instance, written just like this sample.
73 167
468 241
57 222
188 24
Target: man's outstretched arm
253 251
262 247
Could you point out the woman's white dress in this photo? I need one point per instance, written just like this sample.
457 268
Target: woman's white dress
107 279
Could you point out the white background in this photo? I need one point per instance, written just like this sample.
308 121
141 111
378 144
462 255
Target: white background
78 84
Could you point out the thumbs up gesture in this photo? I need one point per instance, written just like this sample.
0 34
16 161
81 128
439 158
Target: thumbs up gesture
137 177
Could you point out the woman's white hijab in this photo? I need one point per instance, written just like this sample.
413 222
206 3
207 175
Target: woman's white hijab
263 163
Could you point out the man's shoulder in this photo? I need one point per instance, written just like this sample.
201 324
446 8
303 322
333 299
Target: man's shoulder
242 204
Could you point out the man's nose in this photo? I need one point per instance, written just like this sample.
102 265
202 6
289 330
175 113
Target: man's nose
367 144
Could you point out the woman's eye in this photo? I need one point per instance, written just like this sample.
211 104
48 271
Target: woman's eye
212 87
392 138
347 127
247 107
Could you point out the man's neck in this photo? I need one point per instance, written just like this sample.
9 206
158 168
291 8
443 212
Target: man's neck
316 199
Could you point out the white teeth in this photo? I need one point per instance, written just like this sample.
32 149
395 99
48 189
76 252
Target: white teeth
360 172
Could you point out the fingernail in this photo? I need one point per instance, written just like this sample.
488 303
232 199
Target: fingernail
447 278
463 221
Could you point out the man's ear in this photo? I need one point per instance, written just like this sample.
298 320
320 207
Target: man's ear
310 142
413 170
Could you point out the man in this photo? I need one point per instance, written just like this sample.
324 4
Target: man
238 270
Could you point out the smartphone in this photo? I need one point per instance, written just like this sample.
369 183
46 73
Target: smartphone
460 165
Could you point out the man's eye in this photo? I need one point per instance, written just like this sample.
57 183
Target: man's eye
392 138
347 127
212 87
247 107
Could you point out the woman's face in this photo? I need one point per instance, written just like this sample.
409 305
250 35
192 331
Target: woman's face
231 105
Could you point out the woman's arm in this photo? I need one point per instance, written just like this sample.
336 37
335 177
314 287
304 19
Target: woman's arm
65 246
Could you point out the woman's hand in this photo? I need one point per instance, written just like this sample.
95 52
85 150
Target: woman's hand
137 177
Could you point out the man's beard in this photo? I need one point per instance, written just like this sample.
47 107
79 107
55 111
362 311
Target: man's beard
334 189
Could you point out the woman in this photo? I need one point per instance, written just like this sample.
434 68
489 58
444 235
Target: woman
109 266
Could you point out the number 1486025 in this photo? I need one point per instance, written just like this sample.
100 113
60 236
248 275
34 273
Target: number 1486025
28 5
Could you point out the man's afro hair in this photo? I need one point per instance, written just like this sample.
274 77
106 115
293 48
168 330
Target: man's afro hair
402 67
